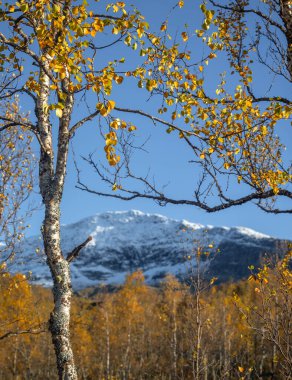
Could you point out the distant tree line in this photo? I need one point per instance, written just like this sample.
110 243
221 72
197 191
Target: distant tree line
177 331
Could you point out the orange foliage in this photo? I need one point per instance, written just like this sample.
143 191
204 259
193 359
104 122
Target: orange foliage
141 332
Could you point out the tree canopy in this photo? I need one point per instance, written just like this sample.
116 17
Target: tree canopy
233 127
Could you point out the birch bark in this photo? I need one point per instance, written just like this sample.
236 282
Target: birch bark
51 181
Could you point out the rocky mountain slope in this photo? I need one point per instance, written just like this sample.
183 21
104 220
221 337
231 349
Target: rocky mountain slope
123 242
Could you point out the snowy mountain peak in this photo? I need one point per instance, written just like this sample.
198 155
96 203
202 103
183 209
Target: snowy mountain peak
249 232
124 241
111 219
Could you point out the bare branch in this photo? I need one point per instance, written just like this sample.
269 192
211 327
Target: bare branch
254 11
34 330
279 99
163 200
81 122
75 253
92 46
96 15
157 119
12 122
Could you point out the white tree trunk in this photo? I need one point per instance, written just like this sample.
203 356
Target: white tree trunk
59 323
51 182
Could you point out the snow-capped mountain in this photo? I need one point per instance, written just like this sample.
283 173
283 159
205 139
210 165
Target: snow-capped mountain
123 242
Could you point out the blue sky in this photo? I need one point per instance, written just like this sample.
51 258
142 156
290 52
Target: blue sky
167 158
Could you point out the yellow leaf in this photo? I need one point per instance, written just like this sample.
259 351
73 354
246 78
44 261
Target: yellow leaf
75 11
119 79
200 33
132 128
163 27
103 111
155 40
184 36
240 369
24 8
140 32
114 160
59 112
114 124
202 155
111 105
181 4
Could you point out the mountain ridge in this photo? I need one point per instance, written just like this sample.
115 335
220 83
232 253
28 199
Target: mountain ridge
124 241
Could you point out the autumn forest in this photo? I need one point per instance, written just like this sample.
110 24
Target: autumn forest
194 330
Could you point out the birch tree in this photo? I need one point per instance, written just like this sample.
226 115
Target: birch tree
49 46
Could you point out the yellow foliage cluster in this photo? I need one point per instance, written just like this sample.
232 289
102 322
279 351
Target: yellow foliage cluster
231 125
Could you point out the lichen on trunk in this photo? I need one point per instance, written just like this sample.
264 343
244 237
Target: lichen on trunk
59 323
